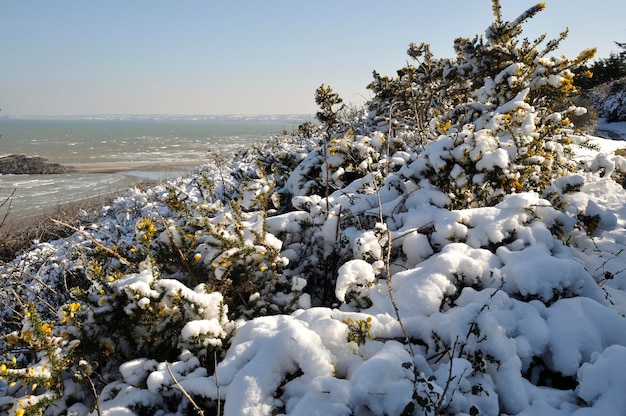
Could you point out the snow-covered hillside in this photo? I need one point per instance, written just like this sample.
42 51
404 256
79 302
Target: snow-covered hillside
533 324
456 248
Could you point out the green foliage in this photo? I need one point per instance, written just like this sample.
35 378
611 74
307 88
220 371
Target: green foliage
306 129
328 100
604 83
359 330
430 93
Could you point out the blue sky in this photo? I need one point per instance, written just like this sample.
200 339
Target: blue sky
72 57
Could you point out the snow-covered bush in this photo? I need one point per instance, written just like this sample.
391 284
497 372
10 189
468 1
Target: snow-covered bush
458 251
486 73
614 106
501 106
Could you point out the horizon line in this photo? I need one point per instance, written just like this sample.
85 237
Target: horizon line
101 115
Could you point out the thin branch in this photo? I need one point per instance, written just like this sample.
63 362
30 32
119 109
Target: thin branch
217 385
393 297
98 244
450 376
9 201
183 391
95 394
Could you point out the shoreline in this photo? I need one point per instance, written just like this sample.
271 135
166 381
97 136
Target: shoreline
19 225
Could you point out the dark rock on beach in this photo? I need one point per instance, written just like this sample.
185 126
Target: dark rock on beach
26 165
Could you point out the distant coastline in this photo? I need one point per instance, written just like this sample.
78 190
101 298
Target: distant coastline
286 118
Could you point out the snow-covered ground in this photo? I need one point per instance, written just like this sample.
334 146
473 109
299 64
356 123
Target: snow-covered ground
615 131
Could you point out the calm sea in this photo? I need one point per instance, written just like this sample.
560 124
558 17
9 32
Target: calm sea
151 140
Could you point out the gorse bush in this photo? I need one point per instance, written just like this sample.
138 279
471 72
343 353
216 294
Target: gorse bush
188 262
375 263
502 105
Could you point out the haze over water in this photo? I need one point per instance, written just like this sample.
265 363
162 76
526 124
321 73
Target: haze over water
159 142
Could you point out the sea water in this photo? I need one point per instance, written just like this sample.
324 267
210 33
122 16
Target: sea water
163 141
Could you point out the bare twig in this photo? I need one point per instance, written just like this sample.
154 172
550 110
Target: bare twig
392 297
95 394
450 376
19 301
98 244
219 160
183 391
8 201
19 282
217 385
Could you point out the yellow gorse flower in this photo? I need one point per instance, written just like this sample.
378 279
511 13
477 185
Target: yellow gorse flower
108 348
359 330
147 229
46 329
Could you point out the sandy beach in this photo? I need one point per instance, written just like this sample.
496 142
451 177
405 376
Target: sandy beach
135 166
